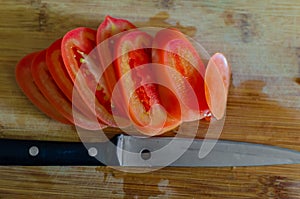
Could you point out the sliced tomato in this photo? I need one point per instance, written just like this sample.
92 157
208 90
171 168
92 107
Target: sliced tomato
54 95
171 48
61 77
77 44
144 105
108 28
26 83
217 80
107 35
112 26
76 47
58 70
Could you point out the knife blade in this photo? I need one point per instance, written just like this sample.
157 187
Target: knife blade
123 150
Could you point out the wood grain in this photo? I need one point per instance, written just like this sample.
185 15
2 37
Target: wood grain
104 182
262 43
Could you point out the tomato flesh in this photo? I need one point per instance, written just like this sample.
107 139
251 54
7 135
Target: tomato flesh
137 58
128 61
61 77
107 35
217 79
76 47
25 81
112 26
57 69
134 54
171 48
105 32
54 95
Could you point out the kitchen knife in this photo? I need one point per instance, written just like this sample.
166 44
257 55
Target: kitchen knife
123 150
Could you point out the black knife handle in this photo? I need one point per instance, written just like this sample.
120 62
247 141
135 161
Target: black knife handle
49 153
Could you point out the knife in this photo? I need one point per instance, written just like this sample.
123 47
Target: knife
123 150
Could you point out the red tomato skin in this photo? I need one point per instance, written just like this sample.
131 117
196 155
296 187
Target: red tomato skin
174 41
26 83
54 95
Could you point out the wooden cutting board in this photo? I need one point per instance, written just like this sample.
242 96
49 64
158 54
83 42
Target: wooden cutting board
261 40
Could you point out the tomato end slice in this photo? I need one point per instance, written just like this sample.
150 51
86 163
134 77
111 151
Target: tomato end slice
217 79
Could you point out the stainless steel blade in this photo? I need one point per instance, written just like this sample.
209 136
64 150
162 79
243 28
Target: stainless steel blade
159 152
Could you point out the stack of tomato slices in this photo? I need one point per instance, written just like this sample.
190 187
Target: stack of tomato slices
154 82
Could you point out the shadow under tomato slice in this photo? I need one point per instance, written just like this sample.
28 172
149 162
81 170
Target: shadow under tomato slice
26 83
55 96
61 77
81 59
144 105
171 48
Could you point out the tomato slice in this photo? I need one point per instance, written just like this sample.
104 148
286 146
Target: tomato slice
171 48
25 81
54 95
57 69
145 110
61 77
108 28
107 37
112 26
217 80
76 46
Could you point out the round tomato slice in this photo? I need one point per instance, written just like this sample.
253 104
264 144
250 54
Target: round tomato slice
76 48
217 80
25 81
54 95
171 48
60 74
145 110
